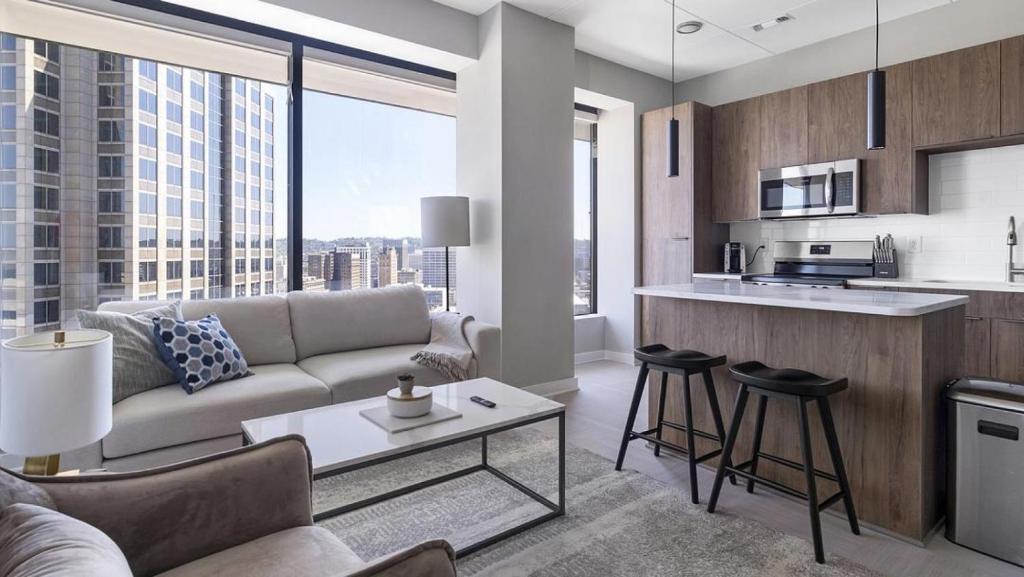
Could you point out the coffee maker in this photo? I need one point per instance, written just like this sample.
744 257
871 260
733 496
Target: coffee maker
735 258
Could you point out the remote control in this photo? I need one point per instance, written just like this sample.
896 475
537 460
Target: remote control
483 401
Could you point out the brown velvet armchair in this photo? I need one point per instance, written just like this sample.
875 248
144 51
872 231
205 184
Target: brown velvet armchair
245 512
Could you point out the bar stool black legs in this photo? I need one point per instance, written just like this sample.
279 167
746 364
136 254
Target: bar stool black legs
683 363
801 388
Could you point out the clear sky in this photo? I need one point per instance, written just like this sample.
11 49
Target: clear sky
581 188
367 165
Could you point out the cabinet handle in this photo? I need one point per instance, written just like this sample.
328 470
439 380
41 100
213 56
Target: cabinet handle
680 238
970 318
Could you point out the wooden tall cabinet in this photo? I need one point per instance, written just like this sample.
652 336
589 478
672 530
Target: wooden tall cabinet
735 160
956 96
678 235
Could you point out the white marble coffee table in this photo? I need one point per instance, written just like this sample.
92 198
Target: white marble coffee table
341 440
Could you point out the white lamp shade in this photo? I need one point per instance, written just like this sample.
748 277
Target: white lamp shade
55 398
444 220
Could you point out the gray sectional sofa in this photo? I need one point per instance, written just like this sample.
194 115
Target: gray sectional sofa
305 349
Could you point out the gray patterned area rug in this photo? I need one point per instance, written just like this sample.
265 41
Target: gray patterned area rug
616 524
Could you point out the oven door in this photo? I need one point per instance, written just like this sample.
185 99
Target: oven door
824 189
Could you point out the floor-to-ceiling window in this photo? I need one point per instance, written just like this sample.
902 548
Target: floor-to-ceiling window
372 147
120 171
584 252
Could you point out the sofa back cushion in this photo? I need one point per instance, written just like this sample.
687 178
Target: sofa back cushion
38 542
260 326
331 322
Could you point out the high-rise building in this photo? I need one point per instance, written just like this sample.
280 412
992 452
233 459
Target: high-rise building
362 264
387 267
433 267
128 182
410 276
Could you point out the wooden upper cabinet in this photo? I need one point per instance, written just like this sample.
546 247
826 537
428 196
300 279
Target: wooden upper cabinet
888 184
735 160
956 96
837 130
784 128
1012 84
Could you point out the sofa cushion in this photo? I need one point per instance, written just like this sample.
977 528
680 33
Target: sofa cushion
168 416
367 373
38 542
298 552
331 322
260 325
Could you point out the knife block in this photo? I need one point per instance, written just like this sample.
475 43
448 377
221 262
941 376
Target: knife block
887 269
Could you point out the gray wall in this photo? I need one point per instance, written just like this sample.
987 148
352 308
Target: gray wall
514 158
942 29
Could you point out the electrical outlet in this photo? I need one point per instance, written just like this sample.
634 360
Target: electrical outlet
913 244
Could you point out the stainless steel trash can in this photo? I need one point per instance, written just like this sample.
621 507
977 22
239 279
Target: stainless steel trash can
985 467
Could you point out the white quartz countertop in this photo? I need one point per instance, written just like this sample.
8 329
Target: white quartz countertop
868 302
937 284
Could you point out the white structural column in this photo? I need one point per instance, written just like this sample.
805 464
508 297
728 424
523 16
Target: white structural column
514 140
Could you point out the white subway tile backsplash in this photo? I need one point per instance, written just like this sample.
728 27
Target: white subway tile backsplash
972 194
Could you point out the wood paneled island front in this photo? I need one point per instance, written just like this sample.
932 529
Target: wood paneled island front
898 351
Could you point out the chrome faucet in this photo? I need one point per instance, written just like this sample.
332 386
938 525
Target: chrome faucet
1011 241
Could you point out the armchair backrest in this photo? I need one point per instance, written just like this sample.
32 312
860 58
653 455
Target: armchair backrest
165 517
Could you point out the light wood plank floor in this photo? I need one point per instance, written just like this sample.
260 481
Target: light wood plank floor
597 415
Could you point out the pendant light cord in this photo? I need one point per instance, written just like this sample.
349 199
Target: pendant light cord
674 59
876 34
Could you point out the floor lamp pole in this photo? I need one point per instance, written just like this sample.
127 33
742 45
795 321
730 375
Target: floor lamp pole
447 289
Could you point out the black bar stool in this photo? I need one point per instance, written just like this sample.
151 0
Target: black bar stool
684 363
800 387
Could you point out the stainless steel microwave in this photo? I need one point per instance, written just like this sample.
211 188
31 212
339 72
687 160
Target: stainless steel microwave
822 189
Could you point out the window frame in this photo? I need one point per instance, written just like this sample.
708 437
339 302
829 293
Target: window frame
593 213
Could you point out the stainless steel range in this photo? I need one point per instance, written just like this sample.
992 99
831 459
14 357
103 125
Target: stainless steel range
818 264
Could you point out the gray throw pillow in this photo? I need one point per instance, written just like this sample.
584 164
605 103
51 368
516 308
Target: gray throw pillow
138 366
37 542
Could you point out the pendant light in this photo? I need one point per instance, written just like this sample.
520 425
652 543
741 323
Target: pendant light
673 124
876 100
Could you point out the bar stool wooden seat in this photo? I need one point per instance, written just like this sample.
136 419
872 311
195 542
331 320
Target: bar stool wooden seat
799 387
684 363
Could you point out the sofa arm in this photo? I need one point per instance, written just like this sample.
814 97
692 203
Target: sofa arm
168 516
429 559
485 340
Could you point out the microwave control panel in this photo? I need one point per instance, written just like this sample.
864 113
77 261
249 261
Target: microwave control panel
844 188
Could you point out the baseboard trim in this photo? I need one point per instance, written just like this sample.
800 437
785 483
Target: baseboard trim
615 356
553 388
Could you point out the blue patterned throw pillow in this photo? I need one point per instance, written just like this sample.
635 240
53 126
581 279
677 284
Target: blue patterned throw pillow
198 352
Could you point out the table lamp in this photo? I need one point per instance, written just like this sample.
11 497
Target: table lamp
444 221
56 394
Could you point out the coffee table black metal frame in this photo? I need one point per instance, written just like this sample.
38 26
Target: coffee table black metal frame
555 509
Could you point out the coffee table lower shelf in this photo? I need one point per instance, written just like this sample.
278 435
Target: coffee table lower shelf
555 509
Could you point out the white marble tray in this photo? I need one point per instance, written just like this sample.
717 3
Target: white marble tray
382 418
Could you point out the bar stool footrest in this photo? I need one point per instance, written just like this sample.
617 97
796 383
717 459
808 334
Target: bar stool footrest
696 432
741 471
796 466
650 438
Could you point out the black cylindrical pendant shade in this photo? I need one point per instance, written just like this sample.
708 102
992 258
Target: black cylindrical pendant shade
673 147
876 110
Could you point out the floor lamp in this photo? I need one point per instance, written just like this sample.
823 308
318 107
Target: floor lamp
444 221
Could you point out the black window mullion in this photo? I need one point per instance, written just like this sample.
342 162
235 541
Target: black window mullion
295 90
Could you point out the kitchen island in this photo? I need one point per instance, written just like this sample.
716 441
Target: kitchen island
898 351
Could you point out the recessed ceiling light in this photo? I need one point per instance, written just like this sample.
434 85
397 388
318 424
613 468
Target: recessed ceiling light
689 27
773 22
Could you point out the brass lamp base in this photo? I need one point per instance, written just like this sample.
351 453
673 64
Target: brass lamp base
43 466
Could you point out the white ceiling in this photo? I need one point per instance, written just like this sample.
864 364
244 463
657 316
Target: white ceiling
637 33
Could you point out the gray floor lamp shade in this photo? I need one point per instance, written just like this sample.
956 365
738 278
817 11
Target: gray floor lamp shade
444 222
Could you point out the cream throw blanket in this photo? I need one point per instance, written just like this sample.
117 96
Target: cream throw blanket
448 351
